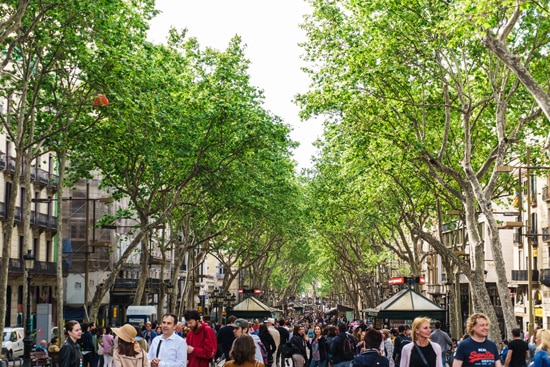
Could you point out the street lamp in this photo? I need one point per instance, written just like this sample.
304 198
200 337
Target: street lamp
27 341
229 302
217 298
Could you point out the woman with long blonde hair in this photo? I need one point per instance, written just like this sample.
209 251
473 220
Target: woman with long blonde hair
422 352
542 354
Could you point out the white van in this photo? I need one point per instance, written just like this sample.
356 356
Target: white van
12 342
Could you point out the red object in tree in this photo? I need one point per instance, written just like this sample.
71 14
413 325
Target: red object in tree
101 100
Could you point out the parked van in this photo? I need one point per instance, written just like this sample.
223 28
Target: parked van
12 342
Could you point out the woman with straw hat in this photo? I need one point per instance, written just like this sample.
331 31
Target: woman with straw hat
128 353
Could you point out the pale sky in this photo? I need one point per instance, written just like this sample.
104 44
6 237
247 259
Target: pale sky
270 30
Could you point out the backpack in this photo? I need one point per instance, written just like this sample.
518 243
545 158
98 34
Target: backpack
287 350
348 348
263 349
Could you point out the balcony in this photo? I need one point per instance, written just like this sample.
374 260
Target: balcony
16 266
11 165
436 289
53 182
518 238
43 177
130 285
545 277
521 275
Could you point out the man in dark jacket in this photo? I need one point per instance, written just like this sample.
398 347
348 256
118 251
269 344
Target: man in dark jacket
339 349
226 337
284 338
400 340
371 356
87 346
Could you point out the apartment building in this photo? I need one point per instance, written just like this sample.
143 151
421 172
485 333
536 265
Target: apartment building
525 236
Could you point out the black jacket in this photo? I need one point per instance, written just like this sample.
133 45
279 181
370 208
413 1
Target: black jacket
269 343
69 354
370 358
337 348
299 345
284 337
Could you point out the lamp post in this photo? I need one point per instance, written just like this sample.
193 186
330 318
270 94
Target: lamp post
229 302
27 341
217 300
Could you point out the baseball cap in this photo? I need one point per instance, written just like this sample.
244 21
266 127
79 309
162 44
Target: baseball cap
242 323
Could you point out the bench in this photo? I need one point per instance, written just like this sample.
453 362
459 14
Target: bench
40 359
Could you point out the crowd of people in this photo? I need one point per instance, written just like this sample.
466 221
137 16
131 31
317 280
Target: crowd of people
306 342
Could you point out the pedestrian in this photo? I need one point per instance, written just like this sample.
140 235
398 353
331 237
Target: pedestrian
319 348
400 341
330 332
242 327
270 323
370 356
168 348
340 348
503 351
140 340
149 334
87 346
128 352
518 351
388 345
443 339
533 345
422 352
243 352
108 346
477 350
542 354
299 342
225 337
69 354
268 341
201 340
284 337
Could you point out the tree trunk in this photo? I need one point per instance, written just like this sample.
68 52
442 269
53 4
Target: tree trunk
62 158
144 263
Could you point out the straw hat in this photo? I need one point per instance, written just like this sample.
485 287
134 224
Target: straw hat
127 333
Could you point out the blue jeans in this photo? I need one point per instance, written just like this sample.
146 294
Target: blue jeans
314 363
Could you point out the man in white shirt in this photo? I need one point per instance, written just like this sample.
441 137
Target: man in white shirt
168 349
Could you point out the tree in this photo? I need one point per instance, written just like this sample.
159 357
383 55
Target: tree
395 75
198 114
46 45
